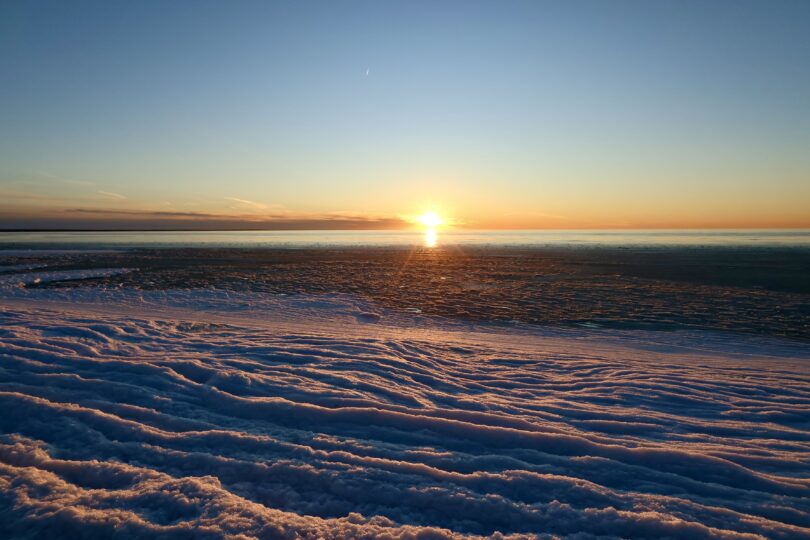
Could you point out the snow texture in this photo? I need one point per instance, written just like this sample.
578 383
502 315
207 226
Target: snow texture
142 421
34 278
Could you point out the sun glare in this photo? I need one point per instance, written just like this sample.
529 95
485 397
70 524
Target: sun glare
430 220
431 238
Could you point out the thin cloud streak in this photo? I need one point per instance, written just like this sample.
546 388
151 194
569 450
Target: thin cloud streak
112 195
246 202
27 196
107 218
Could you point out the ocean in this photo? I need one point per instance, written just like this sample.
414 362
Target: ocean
525 238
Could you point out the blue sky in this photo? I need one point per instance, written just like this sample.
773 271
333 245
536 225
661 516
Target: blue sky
495 114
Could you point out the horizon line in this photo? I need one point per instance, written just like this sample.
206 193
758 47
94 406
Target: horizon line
410 229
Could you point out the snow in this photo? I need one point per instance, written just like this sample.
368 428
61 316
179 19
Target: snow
215 414
32 278
17 267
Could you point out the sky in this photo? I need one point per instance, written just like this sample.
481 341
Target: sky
348 114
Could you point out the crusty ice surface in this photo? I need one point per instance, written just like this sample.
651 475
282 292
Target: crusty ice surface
31 278
209 414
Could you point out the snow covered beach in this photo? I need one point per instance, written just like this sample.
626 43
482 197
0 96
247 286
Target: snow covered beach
207 414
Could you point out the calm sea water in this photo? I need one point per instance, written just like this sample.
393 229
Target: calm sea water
585 238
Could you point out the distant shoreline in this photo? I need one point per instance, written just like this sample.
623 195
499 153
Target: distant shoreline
624 229
467 238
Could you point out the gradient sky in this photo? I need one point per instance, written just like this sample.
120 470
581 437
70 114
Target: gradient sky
356 114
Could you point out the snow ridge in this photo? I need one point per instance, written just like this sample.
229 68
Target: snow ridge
149 427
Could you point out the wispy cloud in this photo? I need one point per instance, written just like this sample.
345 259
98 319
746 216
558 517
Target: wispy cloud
28 196
59 178
136 219
144 213
112 195
534 215
58 199
245 202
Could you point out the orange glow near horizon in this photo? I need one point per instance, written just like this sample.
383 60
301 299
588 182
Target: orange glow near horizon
20 211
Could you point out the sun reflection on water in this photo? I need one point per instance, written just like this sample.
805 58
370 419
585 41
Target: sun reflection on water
431 222
431 238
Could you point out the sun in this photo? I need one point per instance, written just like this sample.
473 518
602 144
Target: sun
430 220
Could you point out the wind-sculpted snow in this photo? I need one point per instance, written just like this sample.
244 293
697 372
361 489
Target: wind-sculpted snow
181 427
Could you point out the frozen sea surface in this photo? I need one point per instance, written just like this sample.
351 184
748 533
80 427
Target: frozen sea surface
206 414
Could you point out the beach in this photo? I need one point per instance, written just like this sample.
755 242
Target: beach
281 394
404 270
